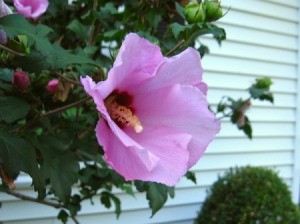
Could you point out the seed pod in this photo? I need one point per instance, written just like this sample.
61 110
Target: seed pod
213 10
194 12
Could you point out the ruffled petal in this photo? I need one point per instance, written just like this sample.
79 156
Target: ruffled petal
184 68
137 60
183 108
38 8
90 87
129 159
170 146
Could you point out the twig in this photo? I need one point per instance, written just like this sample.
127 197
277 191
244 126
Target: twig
27 198
11 50
175 48
45 114
67 79
60 109
92 30
75 219
44 202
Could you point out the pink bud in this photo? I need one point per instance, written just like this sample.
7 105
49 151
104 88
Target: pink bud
21 80
52 86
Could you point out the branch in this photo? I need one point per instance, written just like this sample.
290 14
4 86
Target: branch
60 109
27 198
75 219
67 79
44 202
11 50
175 48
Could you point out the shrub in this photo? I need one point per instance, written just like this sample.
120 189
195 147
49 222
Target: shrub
249 195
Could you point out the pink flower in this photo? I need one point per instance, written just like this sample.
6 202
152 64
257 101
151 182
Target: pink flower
31 8
156 122
4 10
21 80
52 86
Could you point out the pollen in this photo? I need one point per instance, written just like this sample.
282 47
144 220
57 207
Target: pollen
123 115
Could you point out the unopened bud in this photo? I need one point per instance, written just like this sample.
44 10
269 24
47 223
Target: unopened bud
52 86
194 12
213 10
21 80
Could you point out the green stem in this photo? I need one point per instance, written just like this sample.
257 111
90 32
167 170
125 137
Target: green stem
175 48
11 50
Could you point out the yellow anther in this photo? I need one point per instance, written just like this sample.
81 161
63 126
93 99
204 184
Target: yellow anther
123 115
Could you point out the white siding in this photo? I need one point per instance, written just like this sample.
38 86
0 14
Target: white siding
262 40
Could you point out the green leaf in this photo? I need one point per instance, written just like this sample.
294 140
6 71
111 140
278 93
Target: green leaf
177 29
6 74
106 198
180 10
13 108
191 32
18 155
51 57
44 55
203 50
16 24
79 29
63 216
157 195
59 165
191 176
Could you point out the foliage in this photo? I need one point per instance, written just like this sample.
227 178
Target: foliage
236 109
249 195
51 137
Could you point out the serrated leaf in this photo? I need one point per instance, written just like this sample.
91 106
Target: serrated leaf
157 195
59 165
43 55
177 29
191 176
18 155
79 29
106 198
13 108
16 24
117 203
51 57
63 216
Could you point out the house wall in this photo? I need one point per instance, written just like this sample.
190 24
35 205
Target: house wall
262 40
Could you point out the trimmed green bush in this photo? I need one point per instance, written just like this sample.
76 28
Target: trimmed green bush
249 195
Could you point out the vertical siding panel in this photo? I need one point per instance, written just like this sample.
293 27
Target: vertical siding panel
296 179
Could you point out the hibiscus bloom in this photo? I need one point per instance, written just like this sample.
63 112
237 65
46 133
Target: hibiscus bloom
31 8
156 122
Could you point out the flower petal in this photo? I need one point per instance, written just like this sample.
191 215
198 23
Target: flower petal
90 87
183 108
170 146
167 151
137 60
128 159
184 68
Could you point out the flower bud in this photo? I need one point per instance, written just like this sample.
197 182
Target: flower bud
52 86
213 10
194 12
21 80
